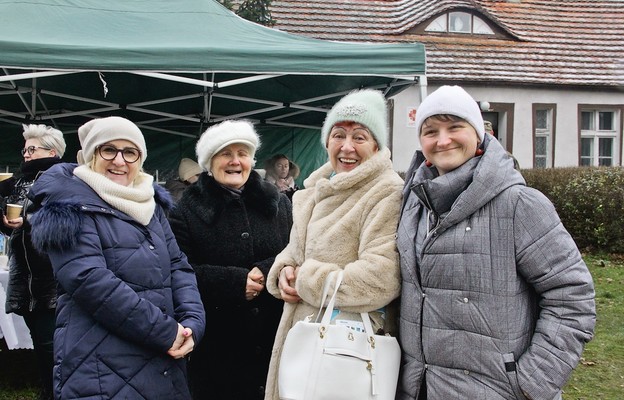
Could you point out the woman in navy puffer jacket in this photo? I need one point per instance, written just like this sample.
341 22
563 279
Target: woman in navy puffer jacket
128 306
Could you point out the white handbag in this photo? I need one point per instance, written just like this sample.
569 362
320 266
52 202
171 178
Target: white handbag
320 361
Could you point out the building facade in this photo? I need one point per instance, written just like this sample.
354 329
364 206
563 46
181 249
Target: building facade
548 74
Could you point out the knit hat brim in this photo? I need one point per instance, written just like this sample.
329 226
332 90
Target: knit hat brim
451 100
103 130
367 107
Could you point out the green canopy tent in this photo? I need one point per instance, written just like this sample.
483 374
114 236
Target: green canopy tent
175 68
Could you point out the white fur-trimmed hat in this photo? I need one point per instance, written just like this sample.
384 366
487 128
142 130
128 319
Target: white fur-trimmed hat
367 107
222 135
102 130
453 100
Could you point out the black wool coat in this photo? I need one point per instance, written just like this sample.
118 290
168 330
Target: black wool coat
224 236
31 281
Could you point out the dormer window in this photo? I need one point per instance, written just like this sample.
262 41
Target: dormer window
459 22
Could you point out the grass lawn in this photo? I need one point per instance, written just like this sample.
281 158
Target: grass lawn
600 375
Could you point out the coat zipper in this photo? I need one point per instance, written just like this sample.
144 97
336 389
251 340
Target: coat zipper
31 302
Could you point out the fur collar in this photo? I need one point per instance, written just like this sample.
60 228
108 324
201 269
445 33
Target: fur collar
208 199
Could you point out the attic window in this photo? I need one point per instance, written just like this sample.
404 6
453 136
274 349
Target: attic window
459 22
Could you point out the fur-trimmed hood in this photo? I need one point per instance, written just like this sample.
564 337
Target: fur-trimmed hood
63 214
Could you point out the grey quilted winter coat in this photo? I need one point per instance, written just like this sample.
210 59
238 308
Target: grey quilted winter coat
496 300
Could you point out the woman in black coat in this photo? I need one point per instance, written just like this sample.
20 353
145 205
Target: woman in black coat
231 224
32 289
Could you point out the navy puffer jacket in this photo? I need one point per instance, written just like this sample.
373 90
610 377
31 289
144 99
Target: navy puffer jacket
123 288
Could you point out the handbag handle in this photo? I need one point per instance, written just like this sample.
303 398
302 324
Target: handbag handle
365 320
330 306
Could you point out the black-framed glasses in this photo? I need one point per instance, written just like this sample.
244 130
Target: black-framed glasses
31 149
129 154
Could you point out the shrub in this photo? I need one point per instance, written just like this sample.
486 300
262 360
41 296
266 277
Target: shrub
589 201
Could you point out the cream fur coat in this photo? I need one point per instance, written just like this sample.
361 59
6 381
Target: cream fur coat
347 222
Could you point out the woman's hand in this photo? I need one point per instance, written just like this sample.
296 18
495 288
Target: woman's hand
183 343
12 223
282 184
286 284
255 283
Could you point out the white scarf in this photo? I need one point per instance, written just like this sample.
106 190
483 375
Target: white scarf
136 200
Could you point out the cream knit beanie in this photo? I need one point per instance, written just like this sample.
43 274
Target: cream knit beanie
188 168
222 135
103 130
366 107
452 100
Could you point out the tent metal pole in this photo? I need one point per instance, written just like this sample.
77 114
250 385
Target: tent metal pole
175 78
21 97
241 81
140 125
12 114
167 100
164 114
74 113
29 75
233 116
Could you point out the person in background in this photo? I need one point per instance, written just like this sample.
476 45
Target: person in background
188 173
282 172
489 130
344 219
496 300
31 291
231 224
128 306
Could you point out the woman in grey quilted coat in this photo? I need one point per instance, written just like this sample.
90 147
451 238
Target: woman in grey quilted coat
496 301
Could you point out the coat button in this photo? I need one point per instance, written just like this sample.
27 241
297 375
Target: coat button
466 372
245 235
465 299
468 229
151 247
166 373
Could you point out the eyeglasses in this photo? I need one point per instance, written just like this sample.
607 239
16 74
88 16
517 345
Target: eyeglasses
31 149
129 154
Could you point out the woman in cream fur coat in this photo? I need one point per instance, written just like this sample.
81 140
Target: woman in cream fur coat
345 218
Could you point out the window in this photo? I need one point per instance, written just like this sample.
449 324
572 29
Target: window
543 136
599 136
459 22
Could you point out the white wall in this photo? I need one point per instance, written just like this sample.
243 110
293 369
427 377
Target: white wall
405 139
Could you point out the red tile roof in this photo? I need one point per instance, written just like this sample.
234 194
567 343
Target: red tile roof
544 42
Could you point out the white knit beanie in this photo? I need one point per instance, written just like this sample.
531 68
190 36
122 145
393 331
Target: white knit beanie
222 135
103 130
366 107
452 100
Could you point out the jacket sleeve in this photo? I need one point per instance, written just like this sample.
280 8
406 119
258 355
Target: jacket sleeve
373 280
188 308
284 213
83 275
549 260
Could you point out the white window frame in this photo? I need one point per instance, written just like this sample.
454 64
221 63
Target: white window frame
443 24
595 134
545 132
